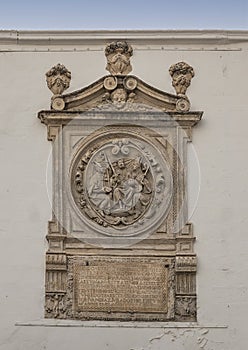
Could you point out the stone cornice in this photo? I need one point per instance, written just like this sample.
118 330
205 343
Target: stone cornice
80 37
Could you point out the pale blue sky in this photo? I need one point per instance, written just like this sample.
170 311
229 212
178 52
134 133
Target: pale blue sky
124 14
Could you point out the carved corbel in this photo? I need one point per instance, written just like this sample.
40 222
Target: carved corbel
181 74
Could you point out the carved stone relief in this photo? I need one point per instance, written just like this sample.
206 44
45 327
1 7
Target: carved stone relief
181 74
185 309
121 182
58 79
118 55
119 160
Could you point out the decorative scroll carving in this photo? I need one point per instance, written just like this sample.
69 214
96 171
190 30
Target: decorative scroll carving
58 80
119 97
181 74
183 105
130 83
58 103
118 55
110 83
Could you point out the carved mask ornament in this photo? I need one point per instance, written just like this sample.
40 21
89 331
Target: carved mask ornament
118 58
181 74
58 79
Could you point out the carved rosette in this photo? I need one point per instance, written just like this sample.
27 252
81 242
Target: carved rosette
58 79
118 55
181 74
122 182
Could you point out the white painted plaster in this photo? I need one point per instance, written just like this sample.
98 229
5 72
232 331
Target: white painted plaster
220 220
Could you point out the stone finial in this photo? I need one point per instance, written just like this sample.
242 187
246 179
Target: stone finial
181 74
58 79
118 55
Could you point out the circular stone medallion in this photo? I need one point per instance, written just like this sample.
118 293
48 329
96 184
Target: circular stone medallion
122 185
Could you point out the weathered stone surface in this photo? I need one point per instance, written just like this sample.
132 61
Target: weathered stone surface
58 80
118 55
121 284
121 183
181 74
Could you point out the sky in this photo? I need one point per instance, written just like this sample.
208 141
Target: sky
123 14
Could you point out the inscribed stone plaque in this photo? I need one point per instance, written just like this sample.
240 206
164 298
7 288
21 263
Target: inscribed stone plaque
121 284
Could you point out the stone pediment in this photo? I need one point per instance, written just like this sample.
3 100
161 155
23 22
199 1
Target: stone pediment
119 92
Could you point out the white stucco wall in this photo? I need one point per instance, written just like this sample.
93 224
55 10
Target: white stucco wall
220 219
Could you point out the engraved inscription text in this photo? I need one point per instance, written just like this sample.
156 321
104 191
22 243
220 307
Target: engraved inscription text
121 285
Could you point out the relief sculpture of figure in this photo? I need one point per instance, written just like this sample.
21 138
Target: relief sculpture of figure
127 181
120 187
96 191
116 184
137 172
132 190
117 191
